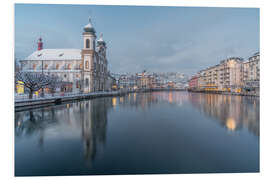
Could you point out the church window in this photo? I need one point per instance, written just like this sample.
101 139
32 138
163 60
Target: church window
87 43
86 64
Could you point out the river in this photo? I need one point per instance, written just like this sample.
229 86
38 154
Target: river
140 133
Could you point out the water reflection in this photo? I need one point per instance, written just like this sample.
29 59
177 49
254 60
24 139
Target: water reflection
117 135
232 112
87 117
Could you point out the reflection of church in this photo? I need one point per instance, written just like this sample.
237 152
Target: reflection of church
87 117
84 70
94 123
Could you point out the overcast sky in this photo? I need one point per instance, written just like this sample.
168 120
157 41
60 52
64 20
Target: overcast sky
158 39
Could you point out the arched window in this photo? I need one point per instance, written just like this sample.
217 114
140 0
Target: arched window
87 43
69 67
86 64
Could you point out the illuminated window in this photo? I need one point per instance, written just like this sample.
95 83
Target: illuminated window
80 66
46 66
69 66
57 66
34 66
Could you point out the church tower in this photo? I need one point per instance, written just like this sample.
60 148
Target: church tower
88 57
40 44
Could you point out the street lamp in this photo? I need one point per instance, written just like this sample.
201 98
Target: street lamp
42 90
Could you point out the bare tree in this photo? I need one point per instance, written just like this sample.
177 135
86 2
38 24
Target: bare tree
56 82
33 81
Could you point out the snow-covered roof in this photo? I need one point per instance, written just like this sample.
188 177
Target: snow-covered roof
89 25
55 54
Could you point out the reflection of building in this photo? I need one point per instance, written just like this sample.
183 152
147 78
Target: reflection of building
87 117
232 112
85 69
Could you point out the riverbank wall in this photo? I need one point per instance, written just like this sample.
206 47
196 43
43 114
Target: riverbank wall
27 104
226 93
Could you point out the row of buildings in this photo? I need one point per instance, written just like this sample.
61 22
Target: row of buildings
231 75
84 70
146 80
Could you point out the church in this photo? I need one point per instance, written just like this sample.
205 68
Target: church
85 70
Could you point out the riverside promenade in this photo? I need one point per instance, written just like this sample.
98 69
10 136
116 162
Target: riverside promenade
38 102
24 103
254 94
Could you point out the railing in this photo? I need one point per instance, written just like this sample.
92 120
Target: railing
23 97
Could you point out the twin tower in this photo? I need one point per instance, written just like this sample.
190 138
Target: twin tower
94 61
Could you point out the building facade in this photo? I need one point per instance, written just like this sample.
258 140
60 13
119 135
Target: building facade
231 75
85 70
251 73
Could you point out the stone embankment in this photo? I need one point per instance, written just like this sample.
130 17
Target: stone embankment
25 104
227 93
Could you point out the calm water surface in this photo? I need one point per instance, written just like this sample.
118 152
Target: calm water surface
160 132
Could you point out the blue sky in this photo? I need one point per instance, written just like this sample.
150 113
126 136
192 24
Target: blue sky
165 39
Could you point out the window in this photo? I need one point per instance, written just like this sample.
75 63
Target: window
57 66
46 66
77 84
69 67
80 66
65 75
86 64
34 66
87 43
86 82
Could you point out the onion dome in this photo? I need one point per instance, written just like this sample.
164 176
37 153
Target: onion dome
89 27
100 41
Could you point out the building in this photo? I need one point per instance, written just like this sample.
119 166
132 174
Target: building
230 75
193 83
251 73
85 70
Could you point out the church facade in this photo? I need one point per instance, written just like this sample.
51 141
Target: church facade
84 70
